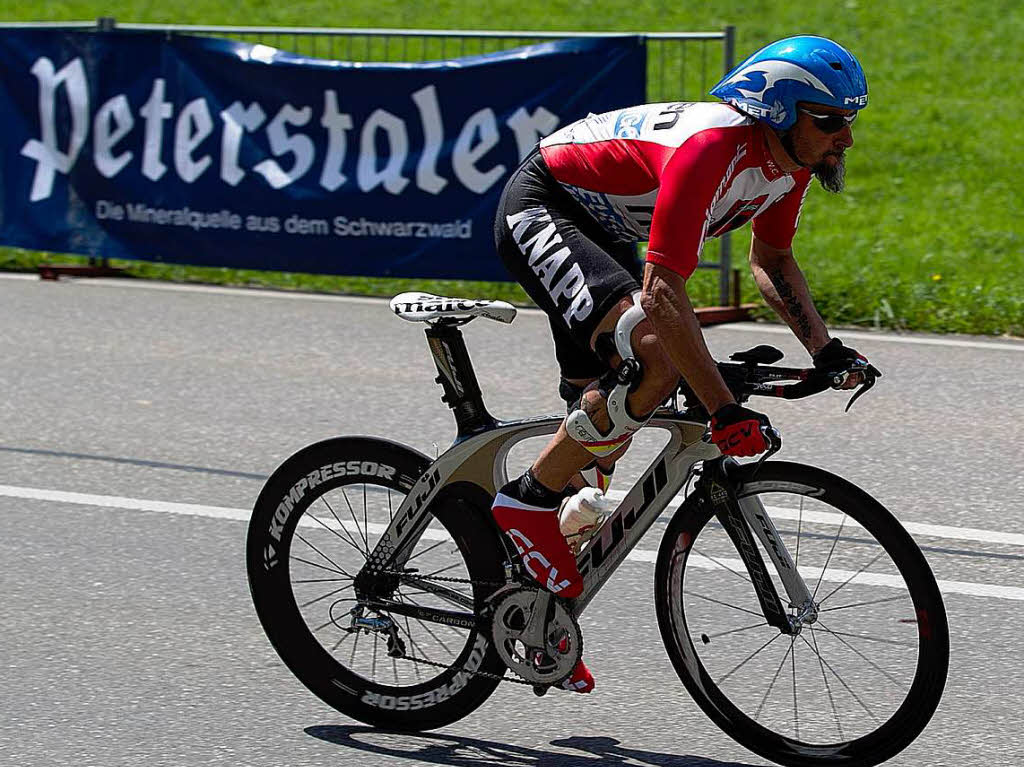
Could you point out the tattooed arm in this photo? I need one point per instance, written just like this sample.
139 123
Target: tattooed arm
783 286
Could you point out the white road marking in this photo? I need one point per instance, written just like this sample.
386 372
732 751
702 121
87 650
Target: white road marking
754 327
914 528
1010 345
637 555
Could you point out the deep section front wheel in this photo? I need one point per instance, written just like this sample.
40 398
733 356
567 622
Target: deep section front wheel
313 528
865 671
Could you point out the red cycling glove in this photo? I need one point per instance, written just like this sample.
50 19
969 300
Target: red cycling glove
737 431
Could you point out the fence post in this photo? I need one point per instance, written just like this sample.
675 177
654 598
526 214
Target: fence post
725 249
106 23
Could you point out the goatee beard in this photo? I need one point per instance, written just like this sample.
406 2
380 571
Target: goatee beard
831 177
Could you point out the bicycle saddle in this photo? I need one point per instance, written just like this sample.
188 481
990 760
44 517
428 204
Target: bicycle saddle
424 307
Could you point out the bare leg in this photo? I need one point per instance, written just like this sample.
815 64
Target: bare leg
563 456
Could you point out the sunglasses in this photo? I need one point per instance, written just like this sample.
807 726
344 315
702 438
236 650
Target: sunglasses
830 123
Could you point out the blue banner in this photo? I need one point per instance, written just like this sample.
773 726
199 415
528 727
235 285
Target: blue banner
217 153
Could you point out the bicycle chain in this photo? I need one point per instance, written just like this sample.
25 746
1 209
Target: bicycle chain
447 579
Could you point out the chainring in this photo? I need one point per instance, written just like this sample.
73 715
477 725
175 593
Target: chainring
545 666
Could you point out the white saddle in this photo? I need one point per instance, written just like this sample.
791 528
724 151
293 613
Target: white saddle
424 307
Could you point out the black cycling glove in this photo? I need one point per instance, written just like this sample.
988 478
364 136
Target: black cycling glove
833 357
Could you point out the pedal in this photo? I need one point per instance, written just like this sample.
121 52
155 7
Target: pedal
540 690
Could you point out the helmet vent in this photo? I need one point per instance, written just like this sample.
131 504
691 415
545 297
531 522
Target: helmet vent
835 65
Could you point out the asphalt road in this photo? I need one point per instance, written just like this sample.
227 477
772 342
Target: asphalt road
128 635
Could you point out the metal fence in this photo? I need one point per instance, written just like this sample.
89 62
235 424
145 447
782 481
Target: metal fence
681 66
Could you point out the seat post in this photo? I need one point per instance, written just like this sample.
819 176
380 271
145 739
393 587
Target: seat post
455 374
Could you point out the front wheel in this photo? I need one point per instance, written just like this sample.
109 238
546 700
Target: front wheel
314 526
861 678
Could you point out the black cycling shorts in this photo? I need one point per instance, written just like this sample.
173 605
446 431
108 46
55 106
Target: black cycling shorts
564 260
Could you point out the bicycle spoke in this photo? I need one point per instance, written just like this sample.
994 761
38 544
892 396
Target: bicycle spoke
844 583
724 604
865 604
821 626
348 635
322 567
846 686
329 594
442 570
340 568
352 513
824 678
355 644
415 645
366 524
332 621
762 624
429 548
432 634
435 637
742 577
322 580
718 682
829 559
408 633
341 525
373 667
757 714
391 513
867 660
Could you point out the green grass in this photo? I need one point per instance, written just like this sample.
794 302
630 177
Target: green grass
928 235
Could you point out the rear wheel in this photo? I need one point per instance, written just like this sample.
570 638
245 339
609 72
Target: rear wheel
854 686
313 527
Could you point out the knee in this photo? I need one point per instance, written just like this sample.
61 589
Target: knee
659 374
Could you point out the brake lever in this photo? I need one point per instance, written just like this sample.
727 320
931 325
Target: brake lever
774 439
871 374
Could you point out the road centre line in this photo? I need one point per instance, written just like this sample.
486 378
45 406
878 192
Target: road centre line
754 327
637 555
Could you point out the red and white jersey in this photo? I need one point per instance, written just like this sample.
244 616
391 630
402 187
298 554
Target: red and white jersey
676 174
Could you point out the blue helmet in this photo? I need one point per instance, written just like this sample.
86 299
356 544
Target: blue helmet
768 85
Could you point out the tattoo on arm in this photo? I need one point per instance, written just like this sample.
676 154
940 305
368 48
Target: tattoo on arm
791 301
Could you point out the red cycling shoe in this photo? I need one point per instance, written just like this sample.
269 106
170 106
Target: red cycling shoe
580 681
538 539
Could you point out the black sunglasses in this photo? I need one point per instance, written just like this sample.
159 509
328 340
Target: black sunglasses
830 123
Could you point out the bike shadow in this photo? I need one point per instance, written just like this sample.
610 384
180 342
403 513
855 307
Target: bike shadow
458 751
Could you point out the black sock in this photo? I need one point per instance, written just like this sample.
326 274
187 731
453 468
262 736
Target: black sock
529 490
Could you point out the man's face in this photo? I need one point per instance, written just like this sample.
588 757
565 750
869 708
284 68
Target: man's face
822 152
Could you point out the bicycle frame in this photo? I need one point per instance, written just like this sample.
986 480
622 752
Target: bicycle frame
478 457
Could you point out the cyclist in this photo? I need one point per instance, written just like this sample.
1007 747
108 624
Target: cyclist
674 174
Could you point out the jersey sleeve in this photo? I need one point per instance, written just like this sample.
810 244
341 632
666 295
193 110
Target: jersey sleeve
694 177
777 225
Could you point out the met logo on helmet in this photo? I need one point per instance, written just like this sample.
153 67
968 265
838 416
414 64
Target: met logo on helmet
861 101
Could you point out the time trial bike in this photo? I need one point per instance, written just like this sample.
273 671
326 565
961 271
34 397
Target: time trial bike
796 610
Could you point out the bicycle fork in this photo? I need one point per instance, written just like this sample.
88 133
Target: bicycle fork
740 516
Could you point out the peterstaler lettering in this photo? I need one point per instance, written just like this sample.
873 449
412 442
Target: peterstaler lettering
384 140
